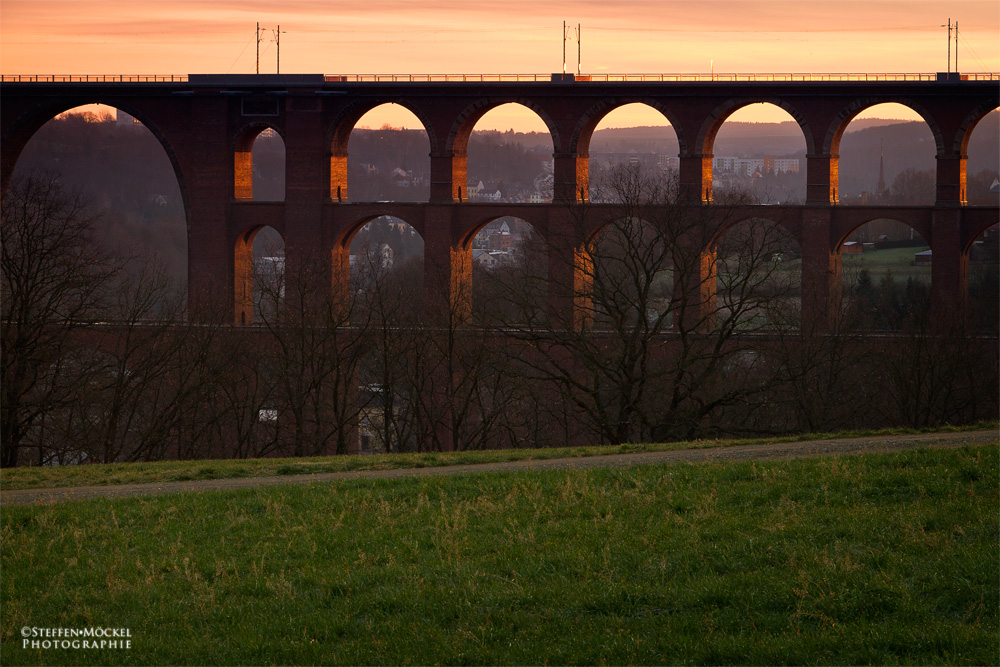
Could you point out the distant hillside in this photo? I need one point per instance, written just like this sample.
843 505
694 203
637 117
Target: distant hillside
757 139
529 140
741 139
906 145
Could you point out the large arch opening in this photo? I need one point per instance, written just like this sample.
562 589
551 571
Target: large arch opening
259 267
123 170
763 161
983 166
630 279
634 135
509 273
259 165
386 296
758 268
510 157
885 276
887 157
387 269
388 157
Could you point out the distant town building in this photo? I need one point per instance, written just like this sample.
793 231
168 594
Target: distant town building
786 165
376 403
492 258
664 162
741 166
481 192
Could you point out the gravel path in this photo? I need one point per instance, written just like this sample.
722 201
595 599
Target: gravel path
783 450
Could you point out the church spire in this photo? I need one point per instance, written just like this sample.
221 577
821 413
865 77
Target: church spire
880 189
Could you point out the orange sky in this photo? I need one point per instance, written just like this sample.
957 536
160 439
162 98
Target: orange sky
511 36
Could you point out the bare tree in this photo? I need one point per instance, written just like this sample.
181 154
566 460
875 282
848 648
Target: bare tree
55 279
664 345
912 186
151 368
934 373
319 342
390 297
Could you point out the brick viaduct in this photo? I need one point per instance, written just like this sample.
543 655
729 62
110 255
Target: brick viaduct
207 125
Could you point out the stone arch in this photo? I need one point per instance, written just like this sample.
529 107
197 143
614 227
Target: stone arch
392 248
704 144
243 140
885 285
244 270
457 152
834 133
339 135
603 171
705 140
340 130
407 249
919 221
457 141
351 230
974 229
24 128
508 271
579 142
536 219
157 220
974 188
625 263
757 273
790 226
854 177
960 143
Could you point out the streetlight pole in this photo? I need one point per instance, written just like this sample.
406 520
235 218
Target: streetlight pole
277 40
258 46
948 25
564 46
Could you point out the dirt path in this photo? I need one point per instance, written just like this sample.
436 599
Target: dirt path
784 450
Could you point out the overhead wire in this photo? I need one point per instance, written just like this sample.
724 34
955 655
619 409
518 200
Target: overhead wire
761 30
975 55
239 56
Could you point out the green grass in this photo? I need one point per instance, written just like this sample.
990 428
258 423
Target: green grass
174 471
897 261
884 558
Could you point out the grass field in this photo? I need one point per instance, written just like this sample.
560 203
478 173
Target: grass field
897 261
882 558
38 477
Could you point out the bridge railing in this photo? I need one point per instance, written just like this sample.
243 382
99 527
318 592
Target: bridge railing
515 78
722 77
94 78
789 76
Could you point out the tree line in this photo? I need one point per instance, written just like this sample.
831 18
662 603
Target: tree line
623 342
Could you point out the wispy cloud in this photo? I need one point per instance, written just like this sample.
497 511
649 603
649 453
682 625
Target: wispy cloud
517 35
